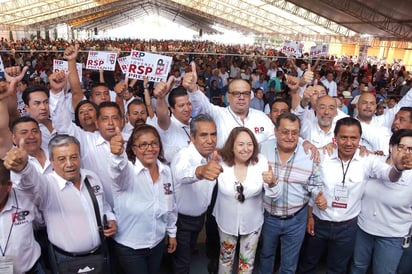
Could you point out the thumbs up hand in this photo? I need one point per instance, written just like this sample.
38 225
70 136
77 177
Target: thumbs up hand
211 170
163 88
116 143
308 75
321 201
268 176
16 158
190 79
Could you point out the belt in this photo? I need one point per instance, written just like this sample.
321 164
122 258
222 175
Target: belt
77 254
287 217
335 223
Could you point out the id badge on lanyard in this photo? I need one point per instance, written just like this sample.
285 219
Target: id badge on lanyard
341 192
340 196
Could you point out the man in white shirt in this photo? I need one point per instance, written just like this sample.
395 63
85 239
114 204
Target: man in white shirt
63 197
20 251
236 114
194 169
95 146
174 130
330 84
320 133
136 115
344 174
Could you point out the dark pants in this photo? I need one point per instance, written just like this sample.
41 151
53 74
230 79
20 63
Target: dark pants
337 238
188 228
212 236
139 261
36 269
405 265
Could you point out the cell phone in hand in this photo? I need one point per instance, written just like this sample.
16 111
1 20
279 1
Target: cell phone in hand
105 223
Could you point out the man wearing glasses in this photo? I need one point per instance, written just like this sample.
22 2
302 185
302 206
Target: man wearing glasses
236 114
285 217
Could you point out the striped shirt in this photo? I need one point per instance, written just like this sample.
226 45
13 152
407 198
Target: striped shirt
293 179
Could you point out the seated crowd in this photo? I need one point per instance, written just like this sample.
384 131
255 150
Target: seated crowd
266 154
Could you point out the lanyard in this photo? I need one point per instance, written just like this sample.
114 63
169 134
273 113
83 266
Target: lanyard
184 128
345 171
234 118
3 253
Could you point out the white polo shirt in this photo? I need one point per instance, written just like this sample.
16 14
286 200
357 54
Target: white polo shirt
193 196
257 121
387 207
16 220
358 171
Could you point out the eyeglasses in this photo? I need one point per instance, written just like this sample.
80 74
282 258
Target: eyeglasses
401 147
237 94
144 146
286 132
239 189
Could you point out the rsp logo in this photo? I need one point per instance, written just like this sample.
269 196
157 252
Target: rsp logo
20 216
259 129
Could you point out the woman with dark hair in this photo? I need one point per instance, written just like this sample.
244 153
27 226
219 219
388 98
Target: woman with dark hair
85 115
239 204
385 220
144 202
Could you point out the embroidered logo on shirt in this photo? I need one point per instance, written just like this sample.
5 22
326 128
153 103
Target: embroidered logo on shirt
20 217
258 130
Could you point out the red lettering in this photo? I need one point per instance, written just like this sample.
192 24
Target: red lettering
148 70
132 68
256 130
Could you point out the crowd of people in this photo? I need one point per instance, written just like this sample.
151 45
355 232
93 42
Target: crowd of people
265 152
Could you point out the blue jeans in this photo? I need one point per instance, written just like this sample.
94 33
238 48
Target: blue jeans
385 253
290 233
139 261
337 238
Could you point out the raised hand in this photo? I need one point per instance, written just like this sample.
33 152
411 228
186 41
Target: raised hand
269 177
163 88
211 170
120 88
16 158
116 143
190 79
292 82
70 53
308 75
15 74
58 81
